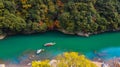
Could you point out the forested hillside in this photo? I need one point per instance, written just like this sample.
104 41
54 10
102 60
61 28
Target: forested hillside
86 16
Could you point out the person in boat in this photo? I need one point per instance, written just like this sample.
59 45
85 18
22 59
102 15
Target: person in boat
50 44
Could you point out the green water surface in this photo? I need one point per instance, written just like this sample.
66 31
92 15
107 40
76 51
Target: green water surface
14 46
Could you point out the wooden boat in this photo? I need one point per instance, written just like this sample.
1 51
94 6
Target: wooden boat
49 44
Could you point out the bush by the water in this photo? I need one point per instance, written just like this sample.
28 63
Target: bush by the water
71 15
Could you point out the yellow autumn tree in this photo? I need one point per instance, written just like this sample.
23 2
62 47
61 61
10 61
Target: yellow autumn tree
44 63
73 59
68 59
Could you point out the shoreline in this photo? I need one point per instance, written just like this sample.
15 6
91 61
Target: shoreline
110 63
52 62
2 36
32 56
86 34
98 64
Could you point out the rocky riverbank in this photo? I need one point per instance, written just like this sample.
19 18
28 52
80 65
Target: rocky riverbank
74 33
86 34
53 64
2 36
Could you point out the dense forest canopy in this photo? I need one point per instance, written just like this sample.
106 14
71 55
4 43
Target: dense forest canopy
87 16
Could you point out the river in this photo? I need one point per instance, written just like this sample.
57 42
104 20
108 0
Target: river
14 46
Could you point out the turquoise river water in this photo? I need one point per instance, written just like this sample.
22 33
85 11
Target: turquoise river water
14 46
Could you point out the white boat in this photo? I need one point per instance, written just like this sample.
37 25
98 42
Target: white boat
49 44
2 65
39 51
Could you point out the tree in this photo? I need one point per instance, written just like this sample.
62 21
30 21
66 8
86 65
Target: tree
73 59
68 59
12 22
70 26
70 15
1 4
64 18
9 6
44 63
